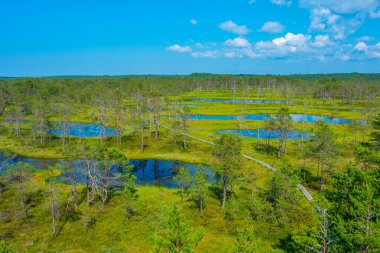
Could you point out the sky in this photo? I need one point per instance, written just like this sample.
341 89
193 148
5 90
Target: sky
99 37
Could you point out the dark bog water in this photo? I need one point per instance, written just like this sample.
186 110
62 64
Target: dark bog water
343 109
295 118
150 171
76 129
236 101
265 134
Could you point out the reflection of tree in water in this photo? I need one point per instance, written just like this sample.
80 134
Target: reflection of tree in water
152 171
175 168
142 165
156 168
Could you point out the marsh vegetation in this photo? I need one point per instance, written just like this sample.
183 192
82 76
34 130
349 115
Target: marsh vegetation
117 164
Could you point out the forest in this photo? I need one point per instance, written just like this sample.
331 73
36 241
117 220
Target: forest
190 163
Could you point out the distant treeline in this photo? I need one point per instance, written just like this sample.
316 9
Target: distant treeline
347 87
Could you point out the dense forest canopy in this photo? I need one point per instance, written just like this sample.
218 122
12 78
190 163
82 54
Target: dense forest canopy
337 85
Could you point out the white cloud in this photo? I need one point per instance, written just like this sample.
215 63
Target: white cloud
374 14
233 54
321 41
206 54
365 38
340 18
363 50
193 21
283 46
234 28
237 42
249 52
240 53
252 1
272 27
292 40
302 47
282 2
343 6
322 19
374 51
179 49
361 46
370 51
198 45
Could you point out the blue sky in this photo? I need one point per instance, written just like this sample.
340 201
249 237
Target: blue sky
40 38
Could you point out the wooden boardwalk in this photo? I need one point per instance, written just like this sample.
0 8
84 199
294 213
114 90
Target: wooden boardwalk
299 186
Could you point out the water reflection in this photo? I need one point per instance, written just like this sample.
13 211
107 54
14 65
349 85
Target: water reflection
237 101
295 118
267 134
150 171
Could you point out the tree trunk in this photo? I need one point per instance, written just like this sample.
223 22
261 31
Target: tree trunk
182 191
224 191
63 135
280 145
325 234
118 127
142 140
156 132
126 209
322 177
74 189
52 209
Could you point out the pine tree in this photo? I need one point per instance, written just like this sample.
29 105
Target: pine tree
199 187
177 238
355 200
228 150
183 179
4 248
323 148
316 239
246 240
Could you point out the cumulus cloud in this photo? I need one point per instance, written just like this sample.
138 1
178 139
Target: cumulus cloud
365 38
237 42
234 28
179 49
282 2
322 19
291 39
240 53
300 46
344 6
321 41
374 51
193 21
198 45
272 27
374 14
283 46
368 50
206 54
340 18
361 46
